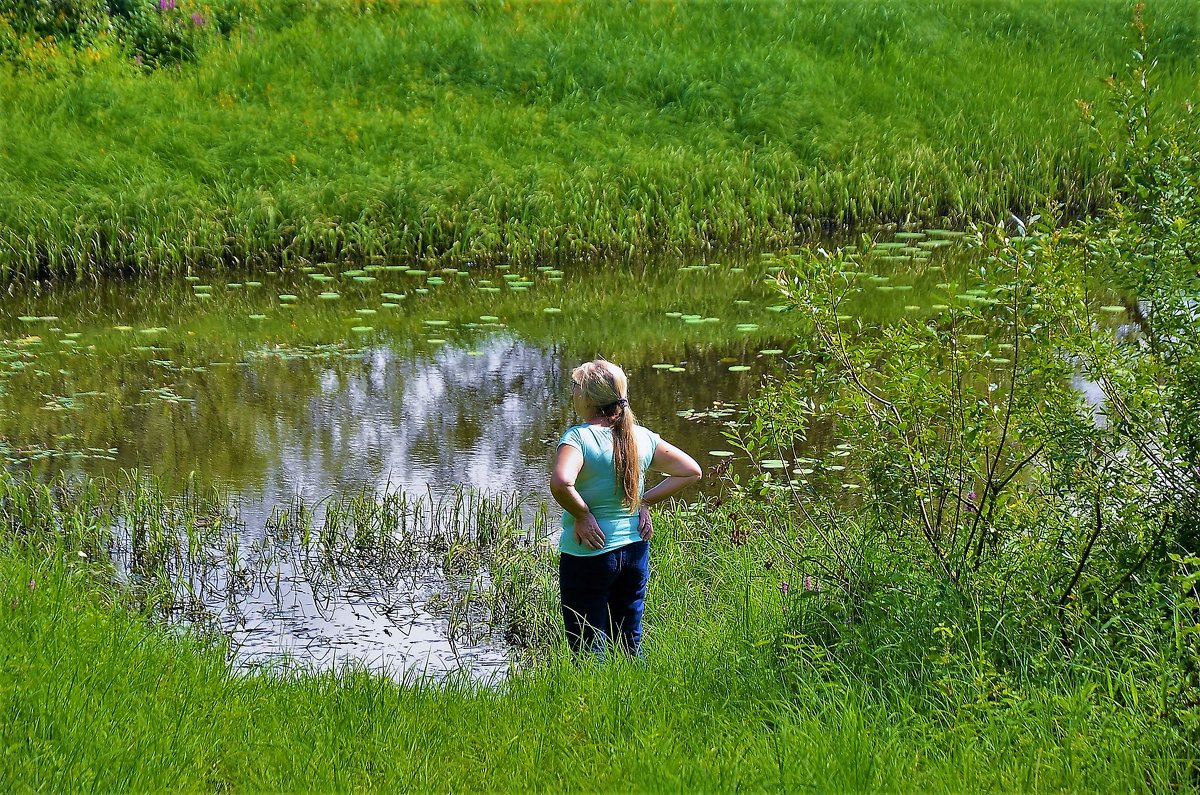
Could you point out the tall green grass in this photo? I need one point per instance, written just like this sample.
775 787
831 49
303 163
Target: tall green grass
94 695
473 132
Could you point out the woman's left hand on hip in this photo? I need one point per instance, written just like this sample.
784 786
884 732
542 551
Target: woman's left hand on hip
645 526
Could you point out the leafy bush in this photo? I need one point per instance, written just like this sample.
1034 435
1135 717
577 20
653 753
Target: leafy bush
152 32
1016 486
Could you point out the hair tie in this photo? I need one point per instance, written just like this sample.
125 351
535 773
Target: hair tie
618 404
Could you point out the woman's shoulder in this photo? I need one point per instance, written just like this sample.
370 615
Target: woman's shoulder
574 435
642 430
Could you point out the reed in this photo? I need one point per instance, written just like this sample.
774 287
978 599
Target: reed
469 133
729 696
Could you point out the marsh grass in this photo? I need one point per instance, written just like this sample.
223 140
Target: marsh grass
184 553
549 132
95 694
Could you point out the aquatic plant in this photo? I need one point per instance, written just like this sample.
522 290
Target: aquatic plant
657 127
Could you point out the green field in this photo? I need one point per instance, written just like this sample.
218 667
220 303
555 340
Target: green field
734 694
496 131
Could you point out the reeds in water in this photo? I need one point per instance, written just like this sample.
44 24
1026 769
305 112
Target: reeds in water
530 132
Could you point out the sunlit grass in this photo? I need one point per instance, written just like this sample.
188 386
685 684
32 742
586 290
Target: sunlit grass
729 695
548 132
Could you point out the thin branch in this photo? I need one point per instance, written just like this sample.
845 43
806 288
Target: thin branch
1083 559
1128 575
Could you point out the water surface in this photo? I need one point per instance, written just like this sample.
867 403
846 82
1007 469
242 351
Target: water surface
335 380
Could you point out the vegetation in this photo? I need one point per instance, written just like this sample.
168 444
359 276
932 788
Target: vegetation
846 636
492 131
731 695
1021 460
991 580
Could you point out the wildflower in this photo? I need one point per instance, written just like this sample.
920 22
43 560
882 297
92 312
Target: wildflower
971 497
198 20
810 584
167 5
783 588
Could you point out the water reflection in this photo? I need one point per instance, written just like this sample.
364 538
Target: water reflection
311 402
482 415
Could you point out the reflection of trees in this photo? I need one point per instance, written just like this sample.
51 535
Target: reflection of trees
417 415
279 424
442 419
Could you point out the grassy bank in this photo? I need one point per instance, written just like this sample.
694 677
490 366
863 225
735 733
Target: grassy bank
497 132
733 695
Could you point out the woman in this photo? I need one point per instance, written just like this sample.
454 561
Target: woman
598 479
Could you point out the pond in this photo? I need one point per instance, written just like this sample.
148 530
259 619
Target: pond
293 385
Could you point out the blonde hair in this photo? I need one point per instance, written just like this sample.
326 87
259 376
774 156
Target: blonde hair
605 386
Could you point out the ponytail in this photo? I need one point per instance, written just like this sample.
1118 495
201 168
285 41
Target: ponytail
627 464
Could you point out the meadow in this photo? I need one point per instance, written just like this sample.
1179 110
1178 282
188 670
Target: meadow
733 694
957 547
490 132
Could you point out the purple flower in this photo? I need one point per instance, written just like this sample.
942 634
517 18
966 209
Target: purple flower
783 588
971 497
810 584
166 5
198 19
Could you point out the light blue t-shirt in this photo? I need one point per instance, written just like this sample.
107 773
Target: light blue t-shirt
597 485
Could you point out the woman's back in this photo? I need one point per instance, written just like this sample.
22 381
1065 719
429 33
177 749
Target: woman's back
598 485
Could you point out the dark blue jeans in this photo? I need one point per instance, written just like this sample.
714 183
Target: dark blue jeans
603 597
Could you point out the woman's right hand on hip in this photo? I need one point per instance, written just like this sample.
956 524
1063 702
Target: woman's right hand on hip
588 532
